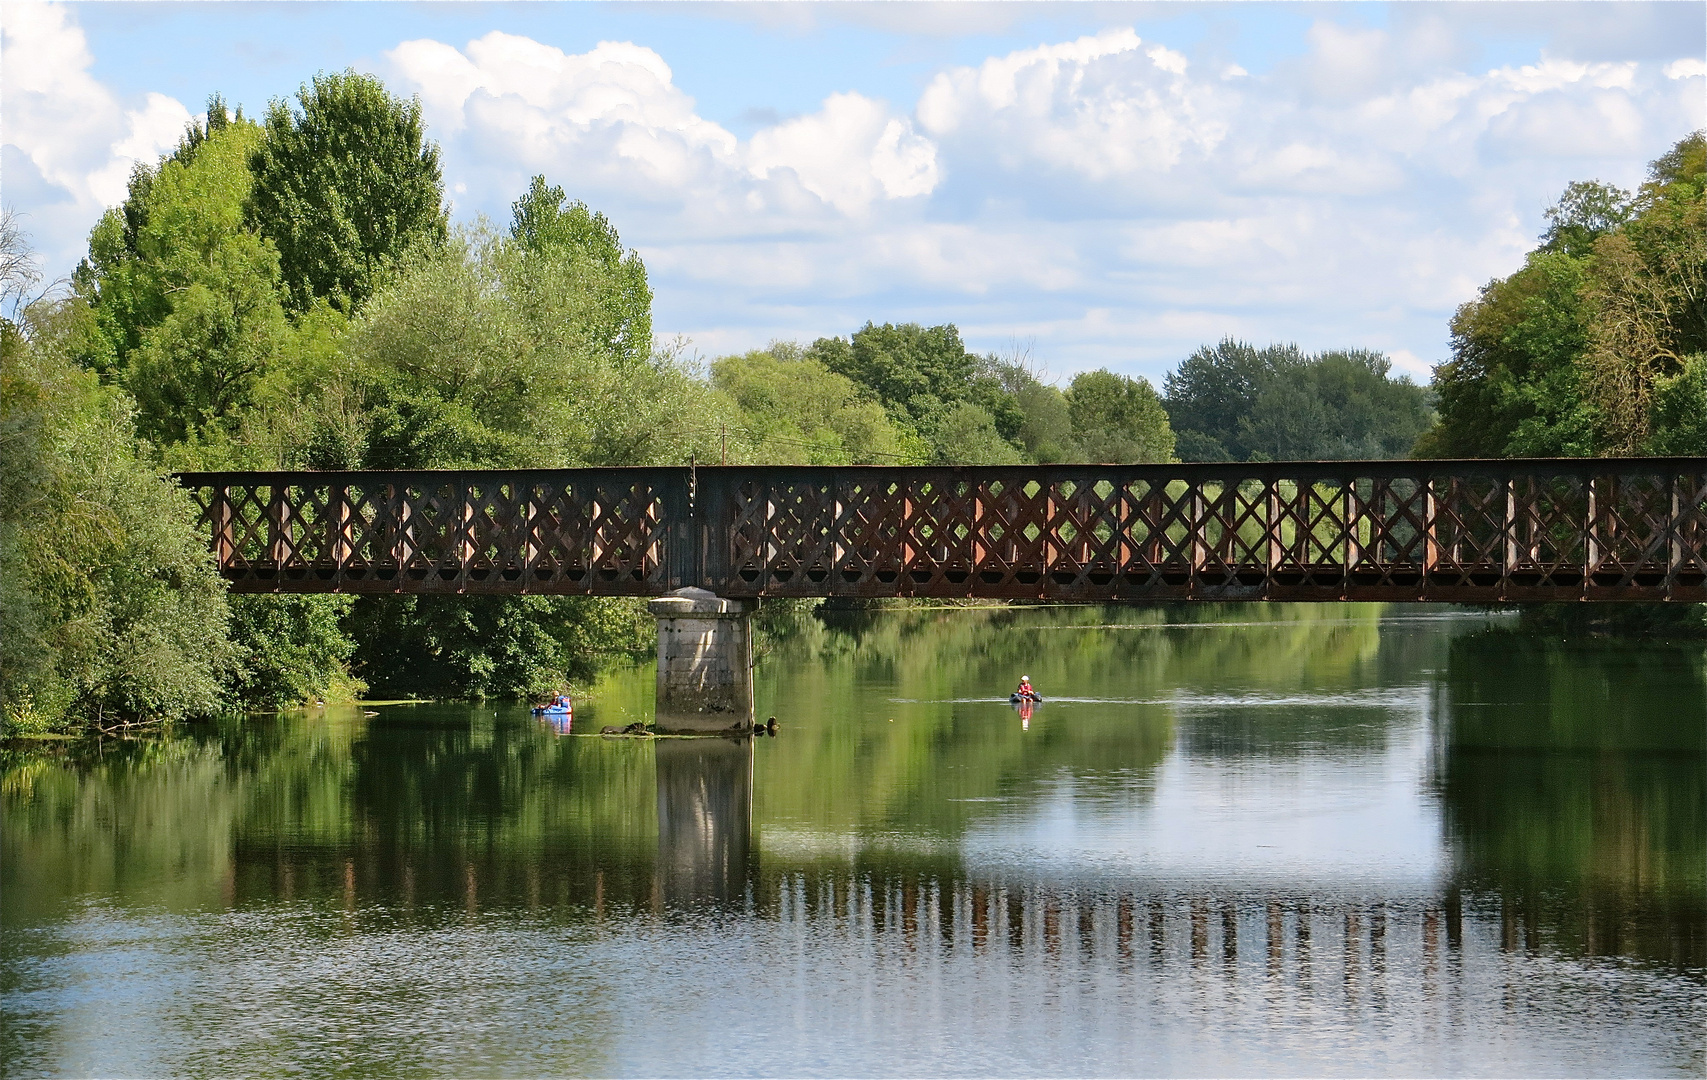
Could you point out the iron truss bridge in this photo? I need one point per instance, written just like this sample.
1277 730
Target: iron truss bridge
1477 531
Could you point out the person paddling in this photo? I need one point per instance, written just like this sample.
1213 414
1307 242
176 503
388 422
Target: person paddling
1024 692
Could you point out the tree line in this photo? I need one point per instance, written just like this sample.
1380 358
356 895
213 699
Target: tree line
1598 344
290 293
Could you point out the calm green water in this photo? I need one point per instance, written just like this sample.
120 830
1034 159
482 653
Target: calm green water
1235 841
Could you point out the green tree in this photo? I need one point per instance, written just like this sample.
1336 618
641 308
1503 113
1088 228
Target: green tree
1234 401
1213 389
617 301
1045 431
185 310
1589 347
966 434
111 604
290 650
186 298
1118 419
930 384
1513 387
793 409
477 353
910 369
493 646
188 312
1646 298
1336 405
1680 410
344 184
1585 212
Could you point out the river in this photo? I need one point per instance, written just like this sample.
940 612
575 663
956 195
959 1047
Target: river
1234 840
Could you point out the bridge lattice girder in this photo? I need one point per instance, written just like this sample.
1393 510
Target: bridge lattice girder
1567 529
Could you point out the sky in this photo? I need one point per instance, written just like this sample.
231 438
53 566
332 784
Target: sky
1084 184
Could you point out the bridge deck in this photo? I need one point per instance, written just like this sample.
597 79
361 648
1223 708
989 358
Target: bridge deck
1571 529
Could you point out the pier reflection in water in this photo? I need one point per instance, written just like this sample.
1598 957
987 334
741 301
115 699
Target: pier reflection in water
1309 844
705 819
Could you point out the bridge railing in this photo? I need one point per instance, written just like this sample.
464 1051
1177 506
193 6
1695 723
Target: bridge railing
1396 530
575 531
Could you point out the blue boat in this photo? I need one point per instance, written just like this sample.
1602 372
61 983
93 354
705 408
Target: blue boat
559 714
1015 699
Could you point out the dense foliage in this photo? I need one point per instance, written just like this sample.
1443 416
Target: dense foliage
342 184
289 294
109 606
1235 402
1116 419
937 403
1598 344
491 646
911 394
792 408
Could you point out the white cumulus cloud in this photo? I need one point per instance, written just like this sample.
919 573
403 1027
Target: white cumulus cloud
1101 106
70 143
612 119
1688 68
1119 200
849 153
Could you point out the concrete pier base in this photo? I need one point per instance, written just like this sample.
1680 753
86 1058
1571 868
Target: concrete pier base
705 663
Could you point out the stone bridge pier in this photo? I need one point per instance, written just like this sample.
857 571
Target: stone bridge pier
705 662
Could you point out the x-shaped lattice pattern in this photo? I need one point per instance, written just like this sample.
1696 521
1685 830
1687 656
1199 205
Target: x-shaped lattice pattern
592 531
1096 534
1383 530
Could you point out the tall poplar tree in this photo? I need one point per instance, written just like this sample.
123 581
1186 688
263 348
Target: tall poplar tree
343 184
615 308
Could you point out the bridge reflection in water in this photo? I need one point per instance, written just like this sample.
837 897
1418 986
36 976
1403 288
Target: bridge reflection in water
914 896
708 860
1310 943
441 866
1352 948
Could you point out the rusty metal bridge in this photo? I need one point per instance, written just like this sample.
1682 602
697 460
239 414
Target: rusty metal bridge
1570 529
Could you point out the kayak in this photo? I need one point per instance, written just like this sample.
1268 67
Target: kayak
1015 699
553 710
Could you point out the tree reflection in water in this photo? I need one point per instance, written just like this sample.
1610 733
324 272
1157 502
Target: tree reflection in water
1572 776
901 884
